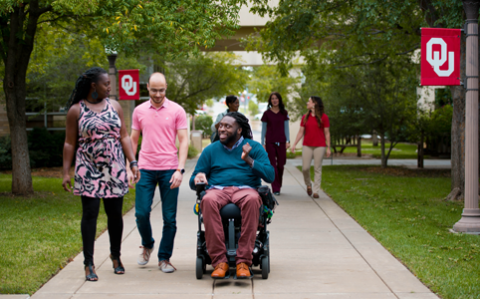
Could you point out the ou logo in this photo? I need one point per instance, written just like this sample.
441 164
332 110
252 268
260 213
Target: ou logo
436 61
128 85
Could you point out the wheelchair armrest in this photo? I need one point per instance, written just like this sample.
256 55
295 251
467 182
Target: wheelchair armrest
267 197
200 187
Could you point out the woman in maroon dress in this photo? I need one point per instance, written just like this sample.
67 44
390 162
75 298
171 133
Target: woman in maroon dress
315 130
276 137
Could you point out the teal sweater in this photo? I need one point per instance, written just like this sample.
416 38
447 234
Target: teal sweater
226 168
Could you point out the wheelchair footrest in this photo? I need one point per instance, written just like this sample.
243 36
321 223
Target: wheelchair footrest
227 276
251 275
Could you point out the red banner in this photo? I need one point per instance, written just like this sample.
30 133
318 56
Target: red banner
440 60
129 84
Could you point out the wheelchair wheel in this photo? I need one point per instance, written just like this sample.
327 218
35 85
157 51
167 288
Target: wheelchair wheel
199 268
269 261
265 267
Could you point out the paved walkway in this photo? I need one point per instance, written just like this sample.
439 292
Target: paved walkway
317 251
409 163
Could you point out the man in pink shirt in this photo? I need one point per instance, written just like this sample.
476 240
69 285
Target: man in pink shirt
159 121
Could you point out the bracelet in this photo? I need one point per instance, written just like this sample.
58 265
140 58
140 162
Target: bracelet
133 163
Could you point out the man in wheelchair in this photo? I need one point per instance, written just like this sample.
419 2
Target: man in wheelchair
232 168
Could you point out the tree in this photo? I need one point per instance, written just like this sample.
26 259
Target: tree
252 108
266 79
363 98
164 27
194 80
383 29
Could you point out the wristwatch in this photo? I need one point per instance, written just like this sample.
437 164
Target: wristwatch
182 171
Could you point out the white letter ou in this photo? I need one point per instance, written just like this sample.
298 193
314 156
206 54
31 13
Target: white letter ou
437 62
129 86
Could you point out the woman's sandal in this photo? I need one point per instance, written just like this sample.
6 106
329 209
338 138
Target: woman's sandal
309 190
120 269
91 276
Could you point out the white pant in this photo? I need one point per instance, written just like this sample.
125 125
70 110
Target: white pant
316 153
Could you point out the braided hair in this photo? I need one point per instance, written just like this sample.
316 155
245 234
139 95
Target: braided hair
319 110
242 121
82 86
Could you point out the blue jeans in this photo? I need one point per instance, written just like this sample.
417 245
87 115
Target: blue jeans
145 190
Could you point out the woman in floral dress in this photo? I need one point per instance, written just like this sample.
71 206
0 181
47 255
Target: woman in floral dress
95 123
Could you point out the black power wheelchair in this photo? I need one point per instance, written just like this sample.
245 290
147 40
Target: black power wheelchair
232 220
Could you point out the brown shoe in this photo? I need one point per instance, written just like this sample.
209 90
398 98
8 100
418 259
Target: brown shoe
309 190
220 270
315 195
243 271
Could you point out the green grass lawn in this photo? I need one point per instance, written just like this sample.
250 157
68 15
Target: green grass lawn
400 151
405 210
40 234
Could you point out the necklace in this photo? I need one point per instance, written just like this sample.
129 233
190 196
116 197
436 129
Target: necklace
94 103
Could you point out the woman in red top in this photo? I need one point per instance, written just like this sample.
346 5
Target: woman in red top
276 137
315 130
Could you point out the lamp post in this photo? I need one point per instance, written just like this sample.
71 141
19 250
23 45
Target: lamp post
112 73
470 221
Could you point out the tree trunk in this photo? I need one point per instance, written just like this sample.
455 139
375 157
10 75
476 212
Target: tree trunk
420 152
458 132
21 173
374 138
384 157
359 146
18 36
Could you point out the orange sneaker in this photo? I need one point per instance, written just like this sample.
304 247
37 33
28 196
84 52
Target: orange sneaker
243 271
220 270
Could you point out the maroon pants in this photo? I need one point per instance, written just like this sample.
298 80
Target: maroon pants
277 153
249 201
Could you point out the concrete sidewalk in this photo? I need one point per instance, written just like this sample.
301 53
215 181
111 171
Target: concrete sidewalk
317 251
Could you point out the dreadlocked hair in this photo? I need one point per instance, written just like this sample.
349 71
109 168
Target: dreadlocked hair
319 110
82 86
242 121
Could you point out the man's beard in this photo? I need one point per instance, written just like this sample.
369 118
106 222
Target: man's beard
233 137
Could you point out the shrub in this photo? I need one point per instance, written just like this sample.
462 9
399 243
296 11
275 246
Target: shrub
192 152
204 122
290 155
253 108
45 148
5 153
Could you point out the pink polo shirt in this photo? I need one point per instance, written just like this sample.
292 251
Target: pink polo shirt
159 131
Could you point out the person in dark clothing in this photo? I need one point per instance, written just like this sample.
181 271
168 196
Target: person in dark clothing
276 137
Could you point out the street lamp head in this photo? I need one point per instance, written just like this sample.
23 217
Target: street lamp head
471 8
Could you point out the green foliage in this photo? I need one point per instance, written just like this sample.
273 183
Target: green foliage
54 71
252 108
41 233
266 79
164 27
192 81
192 152
45 149
204 123
360 99
443 96
406 212
399 151
5 152
209 103
291 155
